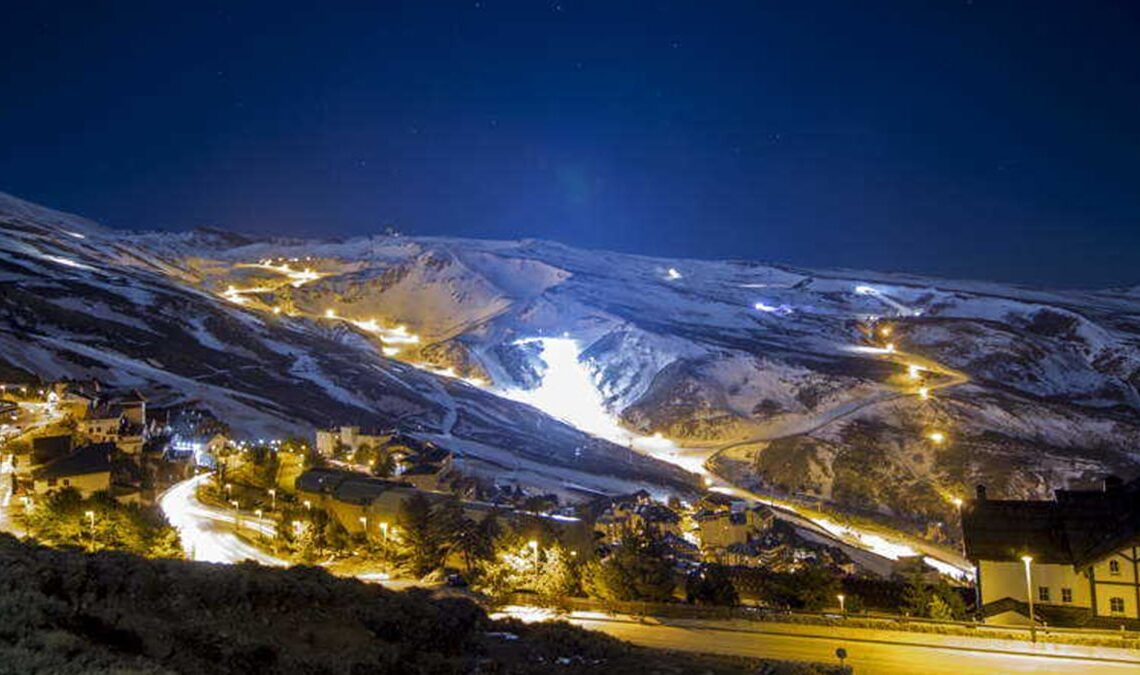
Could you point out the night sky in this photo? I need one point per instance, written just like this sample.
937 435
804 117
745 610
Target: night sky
986 139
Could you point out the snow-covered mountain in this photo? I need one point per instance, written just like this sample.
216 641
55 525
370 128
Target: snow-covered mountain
819 385
136 311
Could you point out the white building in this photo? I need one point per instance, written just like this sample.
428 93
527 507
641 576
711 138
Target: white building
347 437
1079 555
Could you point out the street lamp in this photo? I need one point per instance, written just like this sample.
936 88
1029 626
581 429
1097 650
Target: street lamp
364 526
1028 560
260 532
842 603
957 502
90 515
533 544
237 514
384 530
308 505
229 490
272 499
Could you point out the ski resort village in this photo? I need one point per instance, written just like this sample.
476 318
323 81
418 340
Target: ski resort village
824 458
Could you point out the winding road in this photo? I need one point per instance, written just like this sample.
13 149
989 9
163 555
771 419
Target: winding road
209 532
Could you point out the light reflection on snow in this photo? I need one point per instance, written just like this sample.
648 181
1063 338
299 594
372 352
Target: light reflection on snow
568 392
68 262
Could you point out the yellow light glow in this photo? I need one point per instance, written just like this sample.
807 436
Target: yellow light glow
330 313
913 371
924 393
885 331
937 437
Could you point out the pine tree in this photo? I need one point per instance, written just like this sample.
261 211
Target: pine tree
420 550
711 585
638 569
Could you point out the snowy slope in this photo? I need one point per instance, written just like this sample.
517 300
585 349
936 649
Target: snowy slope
710 353
79 302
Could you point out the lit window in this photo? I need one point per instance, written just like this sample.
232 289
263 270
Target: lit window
1066 595
1043 594
1114 567
1116 605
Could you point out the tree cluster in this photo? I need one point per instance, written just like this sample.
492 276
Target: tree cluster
62 520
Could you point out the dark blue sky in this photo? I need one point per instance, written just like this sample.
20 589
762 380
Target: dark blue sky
985 139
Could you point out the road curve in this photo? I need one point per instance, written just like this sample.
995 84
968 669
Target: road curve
208 532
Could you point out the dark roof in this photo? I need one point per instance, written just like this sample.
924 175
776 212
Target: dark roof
95 458
320 480
48 448
345 486
1079 527
362 490
655 513
422 469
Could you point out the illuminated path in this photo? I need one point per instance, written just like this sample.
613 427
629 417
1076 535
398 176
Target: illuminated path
208 532
568 393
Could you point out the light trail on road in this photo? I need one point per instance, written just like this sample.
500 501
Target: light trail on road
208 532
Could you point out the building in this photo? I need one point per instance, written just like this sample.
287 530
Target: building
636 512
346 438
428 470
739 524
199 447
371 506
1079 555
88 470
102 425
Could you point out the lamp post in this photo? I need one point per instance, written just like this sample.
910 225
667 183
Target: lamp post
90 515
260 531
1028 560
961 526
533 544
384 530
364 527
272 499
237 515
842 604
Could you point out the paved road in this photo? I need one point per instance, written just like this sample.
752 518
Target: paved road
868 651
208 531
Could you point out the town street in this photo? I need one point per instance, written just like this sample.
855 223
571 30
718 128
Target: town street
869 651
208 531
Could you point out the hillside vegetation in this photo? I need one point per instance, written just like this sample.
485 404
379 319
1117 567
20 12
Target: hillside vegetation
64 611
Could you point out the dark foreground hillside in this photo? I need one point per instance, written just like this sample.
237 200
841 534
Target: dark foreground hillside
63 611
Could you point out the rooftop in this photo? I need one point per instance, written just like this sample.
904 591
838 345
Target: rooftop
95 458
1079 527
